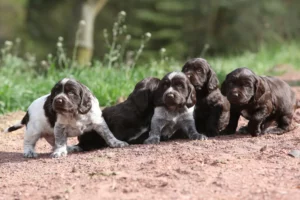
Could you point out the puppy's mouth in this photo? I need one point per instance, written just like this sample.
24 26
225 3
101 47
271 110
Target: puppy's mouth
171 107
238 100
171 104
59 109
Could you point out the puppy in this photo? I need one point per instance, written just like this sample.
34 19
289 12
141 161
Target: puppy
174 100
260 99
70 110
212 109
130 120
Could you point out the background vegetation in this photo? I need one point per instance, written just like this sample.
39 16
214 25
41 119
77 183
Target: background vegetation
40 42
184 28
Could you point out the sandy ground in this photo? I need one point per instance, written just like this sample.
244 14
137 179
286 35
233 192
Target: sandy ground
226 167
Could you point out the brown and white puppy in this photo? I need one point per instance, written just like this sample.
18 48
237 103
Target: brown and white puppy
260 99
70 110
130 120
212 109
174 100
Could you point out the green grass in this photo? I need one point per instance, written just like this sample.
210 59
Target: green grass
19 88
261 62
21 85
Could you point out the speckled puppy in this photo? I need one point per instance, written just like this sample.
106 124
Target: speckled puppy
174 100
70 110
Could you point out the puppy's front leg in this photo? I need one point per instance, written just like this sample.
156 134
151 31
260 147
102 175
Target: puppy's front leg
212 127
103 130
189 128
254 125
233 122
155 132
60 135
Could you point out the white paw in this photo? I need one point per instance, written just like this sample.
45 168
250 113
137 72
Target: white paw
199 136
152 140
118 144
59 153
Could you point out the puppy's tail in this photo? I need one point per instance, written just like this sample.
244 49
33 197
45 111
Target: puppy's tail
18 125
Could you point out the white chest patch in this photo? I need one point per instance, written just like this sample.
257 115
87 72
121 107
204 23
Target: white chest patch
76 125
169 119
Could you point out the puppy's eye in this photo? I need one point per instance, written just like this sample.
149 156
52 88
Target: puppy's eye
199 71
165 85
71 93
179 85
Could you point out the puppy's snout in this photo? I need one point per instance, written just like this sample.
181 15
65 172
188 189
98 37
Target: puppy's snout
170 95
235 97
171 99
235 94
59 101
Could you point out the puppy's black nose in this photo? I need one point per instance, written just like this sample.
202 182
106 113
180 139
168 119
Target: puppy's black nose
235 94
59 101
170 95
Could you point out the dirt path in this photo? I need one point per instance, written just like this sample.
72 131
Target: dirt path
227 167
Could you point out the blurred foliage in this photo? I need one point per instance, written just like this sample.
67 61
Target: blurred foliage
185 28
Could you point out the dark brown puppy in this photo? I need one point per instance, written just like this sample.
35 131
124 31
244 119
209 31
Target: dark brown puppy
129 120
212 109
260 99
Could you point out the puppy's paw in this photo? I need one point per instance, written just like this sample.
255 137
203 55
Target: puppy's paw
275 130
198 136
226 132
30 154
118 144
59 153
243 130
255 134
74 148
152 140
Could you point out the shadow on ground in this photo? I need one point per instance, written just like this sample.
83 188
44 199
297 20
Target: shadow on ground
12 157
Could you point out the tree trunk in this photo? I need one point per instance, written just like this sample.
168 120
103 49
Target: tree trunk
85 43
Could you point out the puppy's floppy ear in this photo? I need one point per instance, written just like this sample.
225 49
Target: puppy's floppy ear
153 87
158 95
52 94
259 89
144 93
212 80
85 103
140 98
57 88
191 98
